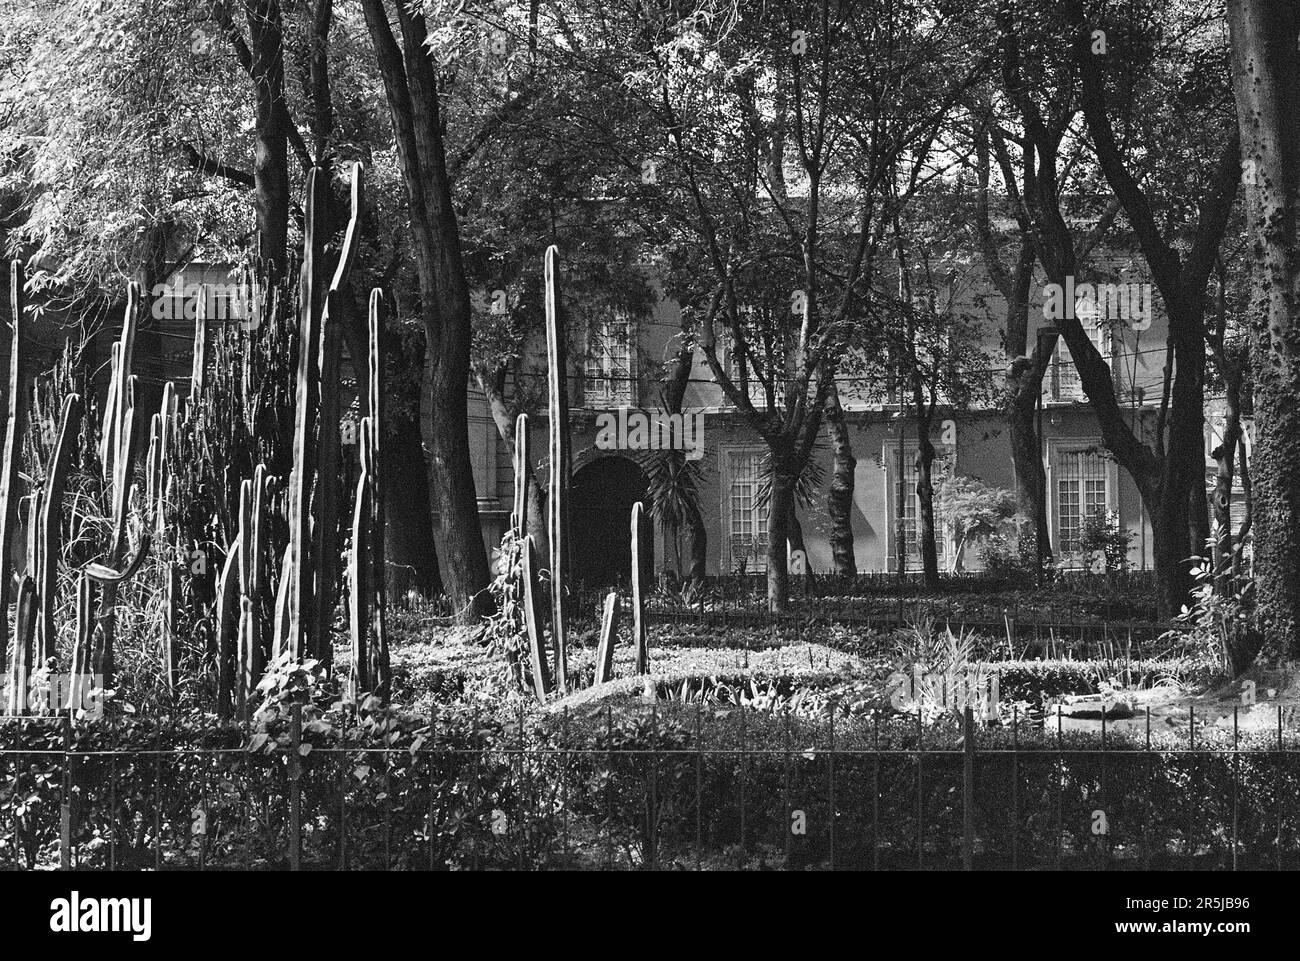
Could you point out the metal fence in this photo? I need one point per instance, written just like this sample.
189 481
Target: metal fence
661 790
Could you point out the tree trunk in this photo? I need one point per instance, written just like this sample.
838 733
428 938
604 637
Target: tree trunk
505 424
839 496
408 515
1266 72
1169 549
959 555
794 533
780 505
270 138
698 540
411 88
1027 460
1225 460
925 494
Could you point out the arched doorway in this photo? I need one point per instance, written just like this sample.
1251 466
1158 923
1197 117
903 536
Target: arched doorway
601 496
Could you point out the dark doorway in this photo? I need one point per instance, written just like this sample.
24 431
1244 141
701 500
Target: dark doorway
600 514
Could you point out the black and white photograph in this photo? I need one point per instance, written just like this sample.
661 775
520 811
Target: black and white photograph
645 437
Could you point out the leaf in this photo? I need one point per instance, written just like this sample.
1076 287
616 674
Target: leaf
304 749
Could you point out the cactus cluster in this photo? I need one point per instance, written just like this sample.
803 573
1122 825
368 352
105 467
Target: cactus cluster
557 530
251 615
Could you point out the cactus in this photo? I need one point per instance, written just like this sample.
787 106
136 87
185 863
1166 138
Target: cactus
359 570
120 392
50 526
378 556
18 389
118 454
253 655
557 505
519 517
241 658
309 592
608 639
281 622
528 566
152 476
533 621
639 638
24 628
171 631
80 647
325 525
199 364
307 386
227 625
166 434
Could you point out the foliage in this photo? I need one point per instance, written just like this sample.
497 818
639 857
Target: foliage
971 509
1221 624
1102 534
504 631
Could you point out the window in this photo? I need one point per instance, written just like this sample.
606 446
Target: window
911 501
609 379
747 522
1065 384
1082 489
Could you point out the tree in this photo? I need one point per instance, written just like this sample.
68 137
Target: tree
1265 68
411 88
940 361
971 509
1166 471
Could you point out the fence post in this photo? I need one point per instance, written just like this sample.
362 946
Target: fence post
968 790
65 810
295 788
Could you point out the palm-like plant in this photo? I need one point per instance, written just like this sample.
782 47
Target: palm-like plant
673 484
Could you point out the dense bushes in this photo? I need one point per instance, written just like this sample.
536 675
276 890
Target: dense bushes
624 785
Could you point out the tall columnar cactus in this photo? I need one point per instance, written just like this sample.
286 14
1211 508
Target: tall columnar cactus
359 571
533 621
25 624
118 430
18 389
309 573
325 489
228 628
557 505
608 639
167 426
80 647
298 570
171 630
370 666
120 391
519 516
51 525
378 547
639 638
253 653
200 361
241 658
152 470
